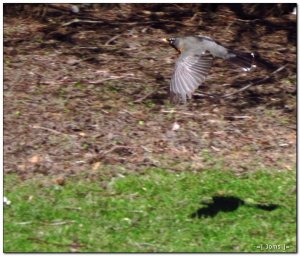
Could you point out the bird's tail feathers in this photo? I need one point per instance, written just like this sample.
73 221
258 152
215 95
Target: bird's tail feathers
245 60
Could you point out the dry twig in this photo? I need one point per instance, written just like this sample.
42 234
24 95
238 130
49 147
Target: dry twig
74 21
256 83
112 39
50 130
113 78
139 100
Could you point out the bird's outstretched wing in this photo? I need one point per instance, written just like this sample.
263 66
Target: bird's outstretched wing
190 72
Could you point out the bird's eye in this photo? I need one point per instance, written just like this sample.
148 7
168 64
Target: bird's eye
171 40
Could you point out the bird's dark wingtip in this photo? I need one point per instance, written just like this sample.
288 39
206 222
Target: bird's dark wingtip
245 60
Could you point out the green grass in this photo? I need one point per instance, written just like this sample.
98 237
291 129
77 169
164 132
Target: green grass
150 213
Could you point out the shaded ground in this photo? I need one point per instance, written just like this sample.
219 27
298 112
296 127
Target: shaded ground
78 95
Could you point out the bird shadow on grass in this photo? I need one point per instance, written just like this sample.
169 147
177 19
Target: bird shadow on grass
227 204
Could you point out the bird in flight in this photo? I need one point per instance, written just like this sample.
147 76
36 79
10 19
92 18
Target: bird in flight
195 60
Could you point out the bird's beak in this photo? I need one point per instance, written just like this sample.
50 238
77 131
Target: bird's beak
164 40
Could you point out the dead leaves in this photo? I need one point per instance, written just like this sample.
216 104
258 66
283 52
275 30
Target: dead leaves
61 180
96 166
35 159
79 107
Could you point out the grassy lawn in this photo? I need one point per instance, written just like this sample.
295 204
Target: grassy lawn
152 213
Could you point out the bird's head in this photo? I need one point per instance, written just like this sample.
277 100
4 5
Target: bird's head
174 42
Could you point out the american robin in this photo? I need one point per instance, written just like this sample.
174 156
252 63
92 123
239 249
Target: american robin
195 60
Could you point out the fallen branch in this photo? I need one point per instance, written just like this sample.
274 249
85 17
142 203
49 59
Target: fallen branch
74 21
